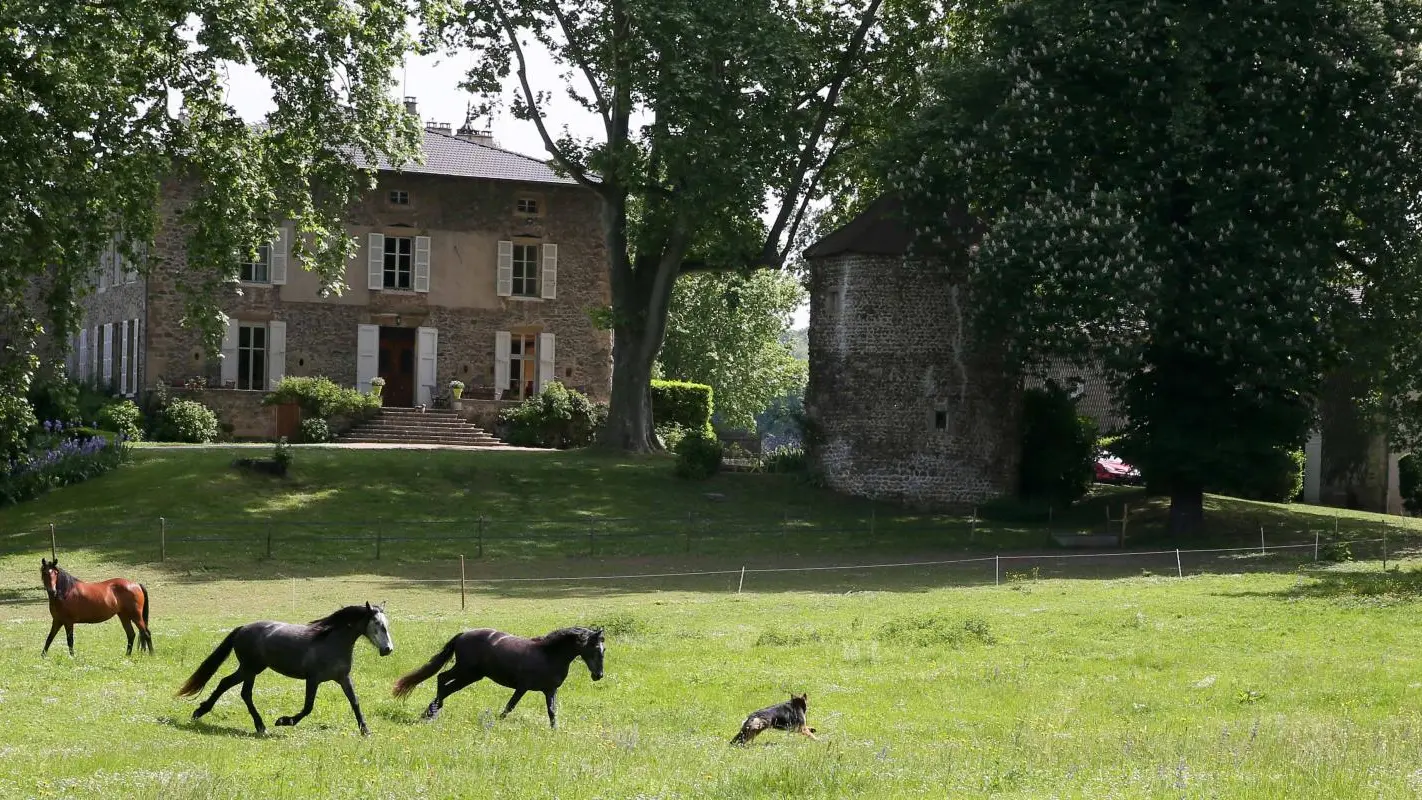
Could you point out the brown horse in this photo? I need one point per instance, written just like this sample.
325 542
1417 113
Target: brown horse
74 601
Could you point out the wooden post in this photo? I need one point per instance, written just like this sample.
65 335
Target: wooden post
689 516
996 570
871 520
1261 540
378 532
1384 527
973 530
1315 545
162 539
1179 572
591 548
1125 515
461 581
53 550
269 540
742 584
480 553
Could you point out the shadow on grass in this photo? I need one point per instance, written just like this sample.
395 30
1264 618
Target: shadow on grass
208 729
1394 584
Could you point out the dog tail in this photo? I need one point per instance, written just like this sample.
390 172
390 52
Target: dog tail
410 681
209 666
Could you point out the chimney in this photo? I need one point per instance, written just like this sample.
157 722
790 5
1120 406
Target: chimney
469 133
411 108
439 127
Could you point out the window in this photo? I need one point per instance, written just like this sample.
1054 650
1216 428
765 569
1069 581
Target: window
940 419
399 197
523 364
252 356
398 250
525 270
527 205
260 270
834 301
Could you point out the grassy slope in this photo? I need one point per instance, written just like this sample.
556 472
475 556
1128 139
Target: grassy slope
1235 686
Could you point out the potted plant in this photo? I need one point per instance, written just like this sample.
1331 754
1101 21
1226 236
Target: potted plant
456 388
376 384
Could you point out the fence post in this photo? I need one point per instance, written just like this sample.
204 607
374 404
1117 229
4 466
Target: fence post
461 581
53 550
591 548
973 523
162 539
1315 545
1384 527
1179 572
996 570
378 536
742 584
480 528
1125 515
1261 540
269 540
690 516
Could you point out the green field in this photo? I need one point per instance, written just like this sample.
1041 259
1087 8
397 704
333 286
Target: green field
1256 675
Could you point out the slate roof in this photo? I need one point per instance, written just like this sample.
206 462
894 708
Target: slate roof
446 154
880 230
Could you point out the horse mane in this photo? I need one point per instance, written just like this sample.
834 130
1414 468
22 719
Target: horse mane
577 634
340 618
63 582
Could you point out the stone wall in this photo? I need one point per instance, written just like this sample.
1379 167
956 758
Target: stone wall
902 405
321 333
243 410
484 413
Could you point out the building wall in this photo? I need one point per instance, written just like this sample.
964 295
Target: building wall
889 354
118 297
465 219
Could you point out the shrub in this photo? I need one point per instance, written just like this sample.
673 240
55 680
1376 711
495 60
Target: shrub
1058 447
555 417
1276 477
55 398
1409 482
788 458
671 435
58 460
122 417
186 421
689 405
323 398
315 430
698 457
17 422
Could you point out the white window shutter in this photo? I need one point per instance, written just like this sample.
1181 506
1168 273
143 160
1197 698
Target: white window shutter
106 265
96 353
426 360
276 353
375 261
229 353
503 341
123 357
549 283
367 355
422 264
133 384
281 248
546 374
108 367
504 283
84 354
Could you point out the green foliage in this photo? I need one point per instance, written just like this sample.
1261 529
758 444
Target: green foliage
1409 482
1336 551
933 630
670 435
324 399
315 430
698 457
17 420
786 459
557 417
729 332
53 397
1058 447
1276 476
186 421
689 405
58 457
1192 208
122 417
281 454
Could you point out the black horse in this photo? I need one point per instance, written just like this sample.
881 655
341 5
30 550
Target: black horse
524 665
318 652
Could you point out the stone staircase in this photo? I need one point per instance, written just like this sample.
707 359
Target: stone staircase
410 426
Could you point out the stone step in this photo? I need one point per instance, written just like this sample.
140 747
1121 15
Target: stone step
459 443
420 426
465 434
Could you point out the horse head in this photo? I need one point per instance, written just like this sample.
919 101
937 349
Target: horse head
49 577
593 648
377 630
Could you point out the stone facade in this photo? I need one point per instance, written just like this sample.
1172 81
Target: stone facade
243 410
114 310
468 224
903 405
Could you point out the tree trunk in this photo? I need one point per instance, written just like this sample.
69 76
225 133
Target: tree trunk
629 414
1187 509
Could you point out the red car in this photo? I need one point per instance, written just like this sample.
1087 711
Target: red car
1110 469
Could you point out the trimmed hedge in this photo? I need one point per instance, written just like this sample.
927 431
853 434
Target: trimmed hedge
556 417
698 457
323 398
689 405
1275 477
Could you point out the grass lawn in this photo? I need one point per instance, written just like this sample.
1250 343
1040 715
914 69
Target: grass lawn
1242 686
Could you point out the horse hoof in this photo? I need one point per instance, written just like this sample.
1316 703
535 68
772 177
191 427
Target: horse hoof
284 721
261 731
364 731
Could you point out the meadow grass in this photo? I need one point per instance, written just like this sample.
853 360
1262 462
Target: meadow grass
1291 684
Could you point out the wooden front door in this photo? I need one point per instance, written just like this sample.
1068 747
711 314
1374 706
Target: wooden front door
397 366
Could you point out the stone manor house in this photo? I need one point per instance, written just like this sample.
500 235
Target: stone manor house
479 265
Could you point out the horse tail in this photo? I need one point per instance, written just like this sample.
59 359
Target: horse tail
410 681
209 666
147 603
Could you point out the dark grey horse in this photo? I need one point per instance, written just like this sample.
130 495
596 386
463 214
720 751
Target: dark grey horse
524 665
316 653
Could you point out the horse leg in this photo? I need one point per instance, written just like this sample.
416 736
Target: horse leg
128 631
247 683
69 637
513 701
552 698
345 681
222 687
448 682
311 687
53 632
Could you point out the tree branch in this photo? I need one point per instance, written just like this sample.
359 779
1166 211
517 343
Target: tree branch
809 195
580 58
771 251
576 170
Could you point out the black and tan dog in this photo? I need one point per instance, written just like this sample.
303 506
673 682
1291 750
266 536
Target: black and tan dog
788 716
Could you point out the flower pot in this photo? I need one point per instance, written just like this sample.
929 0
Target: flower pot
456 392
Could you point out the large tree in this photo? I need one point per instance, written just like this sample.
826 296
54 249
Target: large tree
708 109
102 100
1218 201
727 330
